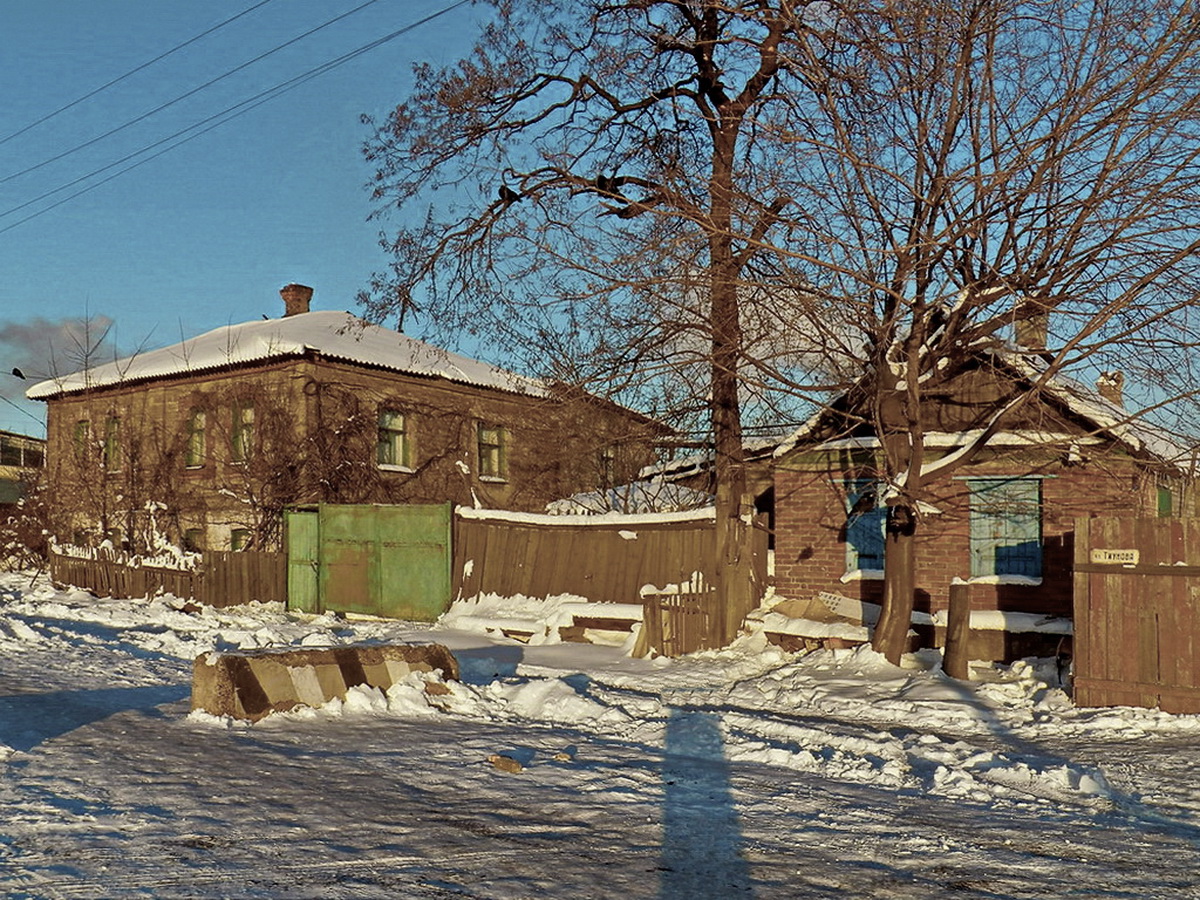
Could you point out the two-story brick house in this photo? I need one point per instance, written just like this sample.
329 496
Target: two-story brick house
206 441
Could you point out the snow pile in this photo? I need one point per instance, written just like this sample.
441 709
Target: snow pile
495 615
811 751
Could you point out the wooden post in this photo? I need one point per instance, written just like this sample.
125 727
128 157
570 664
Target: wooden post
958 632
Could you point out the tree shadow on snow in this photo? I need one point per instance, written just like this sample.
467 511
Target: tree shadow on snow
702 838
27 720
1126 806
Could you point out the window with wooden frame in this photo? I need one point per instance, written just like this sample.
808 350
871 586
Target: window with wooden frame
1006 527
112 444
197 441
242 435
492 451
82 439
394 445
1169 497
608 466
10 452
239 539
866 521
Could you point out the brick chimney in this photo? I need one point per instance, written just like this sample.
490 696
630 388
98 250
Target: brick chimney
296 298
1111 386
1031 324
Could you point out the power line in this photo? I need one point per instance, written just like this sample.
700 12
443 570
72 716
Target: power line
217 120
22 409
184 96
133 71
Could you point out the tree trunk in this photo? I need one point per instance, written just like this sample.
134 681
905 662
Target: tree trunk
735 571
899 584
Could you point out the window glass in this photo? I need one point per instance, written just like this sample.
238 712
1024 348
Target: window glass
112 444
492 440
1006 527
10 452
239 539
1167 502
393 447
82 438
608 466
866 519
243 432
196 439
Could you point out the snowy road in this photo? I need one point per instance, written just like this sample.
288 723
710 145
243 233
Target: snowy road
748 773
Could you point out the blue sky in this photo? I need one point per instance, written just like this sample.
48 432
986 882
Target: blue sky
207 233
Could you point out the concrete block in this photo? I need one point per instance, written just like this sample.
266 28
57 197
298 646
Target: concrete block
255 684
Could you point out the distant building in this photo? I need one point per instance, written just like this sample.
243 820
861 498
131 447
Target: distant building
206 441
21 460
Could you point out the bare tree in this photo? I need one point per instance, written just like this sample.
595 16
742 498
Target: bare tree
998 164
611 176
822 195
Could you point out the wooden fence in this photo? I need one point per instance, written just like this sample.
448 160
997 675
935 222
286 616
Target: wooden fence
221 579
1137 613
607 561
686 618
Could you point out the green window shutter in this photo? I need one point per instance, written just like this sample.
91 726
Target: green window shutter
865 522
1165 506
1006 527
196 444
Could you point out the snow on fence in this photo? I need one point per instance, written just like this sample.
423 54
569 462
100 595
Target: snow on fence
682 618
220 579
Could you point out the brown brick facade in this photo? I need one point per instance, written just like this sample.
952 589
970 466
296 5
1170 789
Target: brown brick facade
166 449
810 516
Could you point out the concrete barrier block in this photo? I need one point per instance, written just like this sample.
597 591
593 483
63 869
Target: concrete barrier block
307 686
329 677
255 684
397 669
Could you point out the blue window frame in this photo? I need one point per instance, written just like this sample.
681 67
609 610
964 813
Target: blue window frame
866 519
1006 527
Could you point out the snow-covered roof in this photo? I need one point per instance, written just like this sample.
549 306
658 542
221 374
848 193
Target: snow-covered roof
333 335
693 463
1082 400
1107 416
654 496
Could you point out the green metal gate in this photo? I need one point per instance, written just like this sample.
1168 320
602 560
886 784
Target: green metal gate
377 560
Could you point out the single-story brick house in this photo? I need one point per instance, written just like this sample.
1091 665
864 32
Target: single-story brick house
1005 521
208 440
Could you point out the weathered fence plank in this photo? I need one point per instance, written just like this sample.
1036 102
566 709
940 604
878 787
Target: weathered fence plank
605 561
1136 620
221 579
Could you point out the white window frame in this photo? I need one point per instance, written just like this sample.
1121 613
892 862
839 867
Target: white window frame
495 451
394 443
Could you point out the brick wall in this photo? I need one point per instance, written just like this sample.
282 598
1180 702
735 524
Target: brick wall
810 547
315 431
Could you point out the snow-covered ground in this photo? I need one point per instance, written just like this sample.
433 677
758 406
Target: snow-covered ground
744 773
